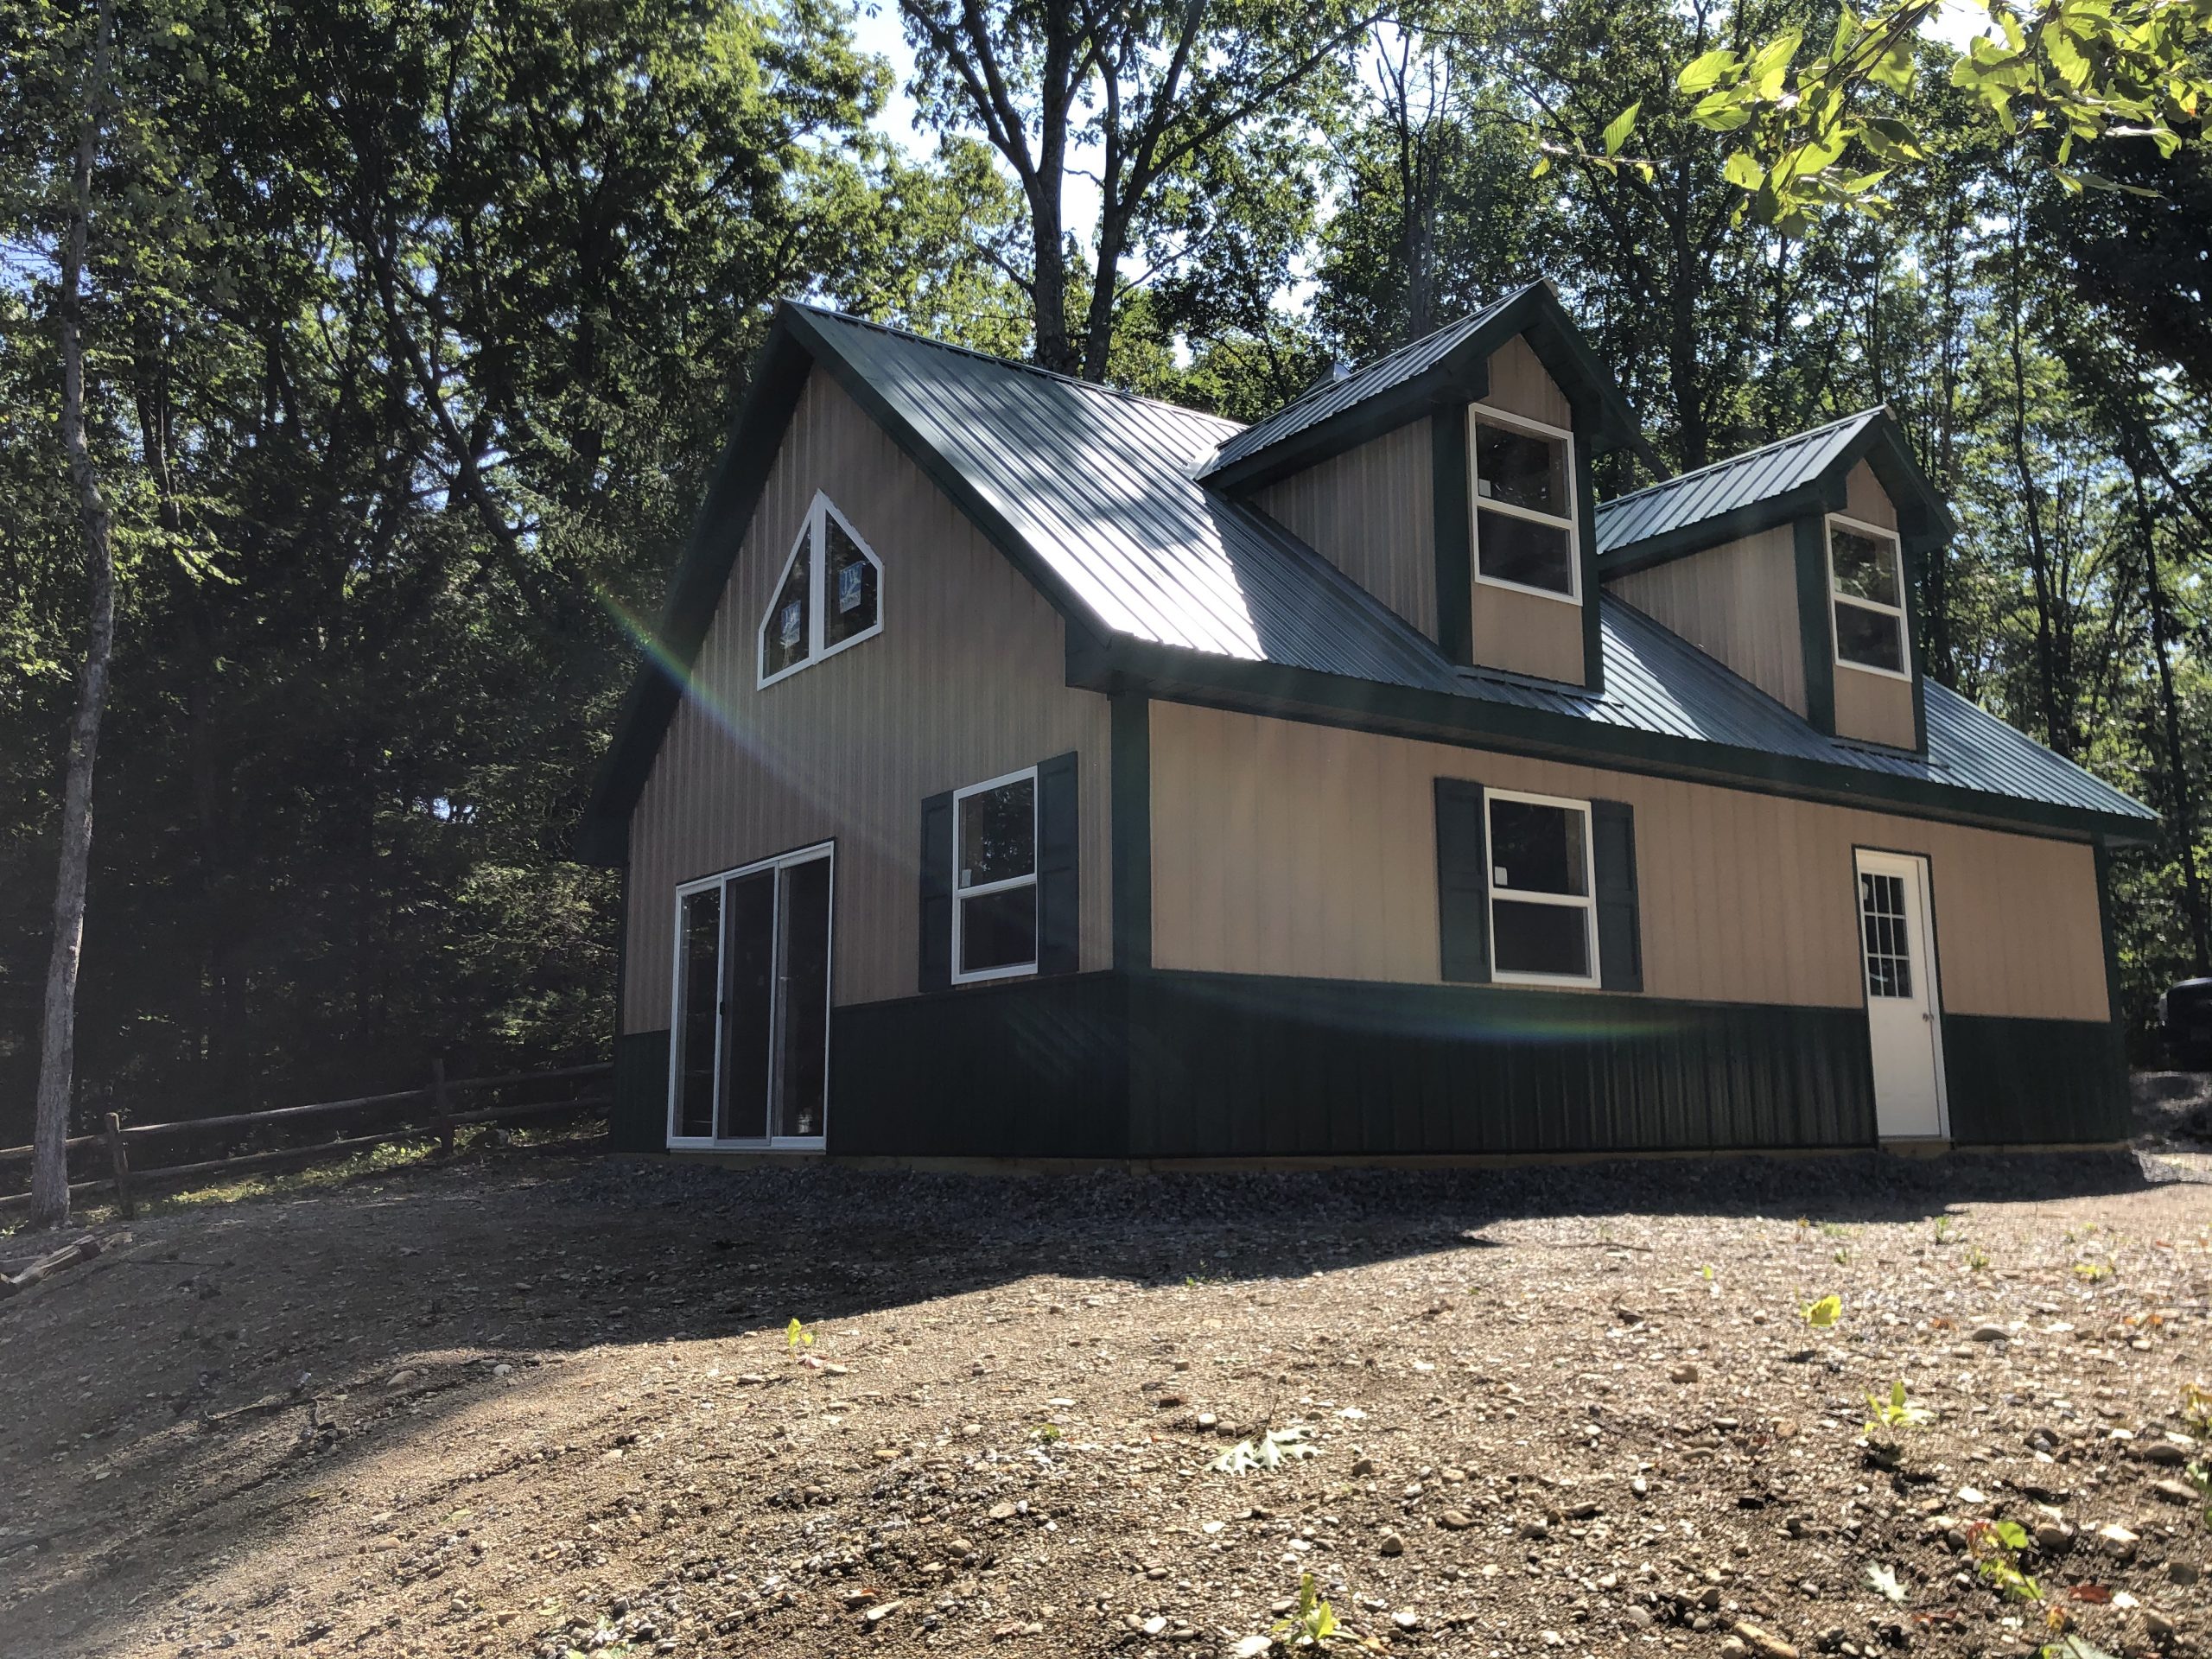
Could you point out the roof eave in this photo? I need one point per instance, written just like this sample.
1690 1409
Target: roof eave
1179 675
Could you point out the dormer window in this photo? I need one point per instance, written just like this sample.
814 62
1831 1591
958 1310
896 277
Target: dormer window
831 595
1866 597
1525 531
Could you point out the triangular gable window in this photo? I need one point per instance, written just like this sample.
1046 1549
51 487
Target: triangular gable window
829 596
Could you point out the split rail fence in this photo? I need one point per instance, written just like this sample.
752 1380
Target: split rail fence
403 1115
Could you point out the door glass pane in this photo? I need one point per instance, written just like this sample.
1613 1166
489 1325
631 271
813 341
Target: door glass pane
784 631
850 585
998 929
748 996
998 834
1535 848
1866 565
1541 938
1523 550
1524 468
699 927
1889 955
1875 638
803 999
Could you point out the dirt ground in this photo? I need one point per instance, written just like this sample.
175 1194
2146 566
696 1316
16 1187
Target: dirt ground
539 1405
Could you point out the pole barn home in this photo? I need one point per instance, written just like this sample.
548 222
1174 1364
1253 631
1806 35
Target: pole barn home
1027 769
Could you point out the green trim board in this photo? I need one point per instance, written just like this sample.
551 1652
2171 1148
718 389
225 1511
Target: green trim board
1130 831
1810 542
1452 501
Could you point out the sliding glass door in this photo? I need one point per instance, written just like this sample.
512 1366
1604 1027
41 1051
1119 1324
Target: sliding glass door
752 1005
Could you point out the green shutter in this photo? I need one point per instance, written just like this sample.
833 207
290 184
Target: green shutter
1059 886
1620 929
936 892
1462 881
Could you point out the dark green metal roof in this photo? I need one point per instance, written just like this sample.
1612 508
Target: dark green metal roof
1800 474
1095 495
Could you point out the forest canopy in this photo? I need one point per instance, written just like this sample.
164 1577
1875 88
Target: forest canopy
411 328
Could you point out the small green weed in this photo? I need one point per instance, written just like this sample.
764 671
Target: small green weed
796 1336
1045 1433
1314 1623
1998 1544
1823 1314
1977 1259
1897 1411
1943 1230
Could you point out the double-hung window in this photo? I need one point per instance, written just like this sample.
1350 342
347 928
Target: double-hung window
995 879
1524 494
1543 890
1866 598
829 596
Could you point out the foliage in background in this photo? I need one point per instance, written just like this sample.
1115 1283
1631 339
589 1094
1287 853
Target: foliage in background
415 325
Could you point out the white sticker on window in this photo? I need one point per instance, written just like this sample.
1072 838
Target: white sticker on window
788 631
848 588
1482 487
1498 875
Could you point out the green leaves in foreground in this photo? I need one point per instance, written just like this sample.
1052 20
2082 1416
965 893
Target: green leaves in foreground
1812 137
1271 1450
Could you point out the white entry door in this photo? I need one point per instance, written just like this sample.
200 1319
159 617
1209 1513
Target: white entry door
1896 949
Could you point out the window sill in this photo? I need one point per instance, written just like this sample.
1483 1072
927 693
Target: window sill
1869 668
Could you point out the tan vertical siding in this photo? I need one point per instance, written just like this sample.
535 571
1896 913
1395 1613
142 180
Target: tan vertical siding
1371 512
966 680
1527 633
1283 848
1873 707
1736 602
1867 500
1519 383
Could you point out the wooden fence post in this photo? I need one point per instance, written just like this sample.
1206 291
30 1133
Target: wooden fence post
118 1155
441 1109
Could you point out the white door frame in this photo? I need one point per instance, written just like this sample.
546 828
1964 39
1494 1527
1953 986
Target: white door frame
823 850
1913 870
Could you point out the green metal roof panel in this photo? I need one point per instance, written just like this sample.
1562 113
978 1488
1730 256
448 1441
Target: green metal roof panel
1097 483
1727 486
1332 398
1094 493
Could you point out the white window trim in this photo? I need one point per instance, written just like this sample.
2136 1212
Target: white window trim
1881 532
814 540
1587 902
961 895
752 1143
1478 504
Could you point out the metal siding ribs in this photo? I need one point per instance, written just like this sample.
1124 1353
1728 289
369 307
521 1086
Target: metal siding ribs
1099 487
1739 481
1336 397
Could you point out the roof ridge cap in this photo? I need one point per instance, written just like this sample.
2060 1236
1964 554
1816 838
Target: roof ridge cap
1745 454
997 361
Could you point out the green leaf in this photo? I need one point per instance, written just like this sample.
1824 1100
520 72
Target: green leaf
1823 1313
1743 171
1617 131
2010 1534
1708 69
1771 63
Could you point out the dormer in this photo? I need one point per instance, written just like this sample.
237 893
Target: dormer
1794 564
1452 480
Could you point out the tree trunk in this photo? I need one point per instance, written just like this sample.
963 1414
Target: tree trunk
2181 797
57 1050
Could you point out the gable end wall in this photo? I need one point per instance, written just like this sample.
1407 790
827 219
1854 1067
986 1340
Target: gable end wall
967 681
